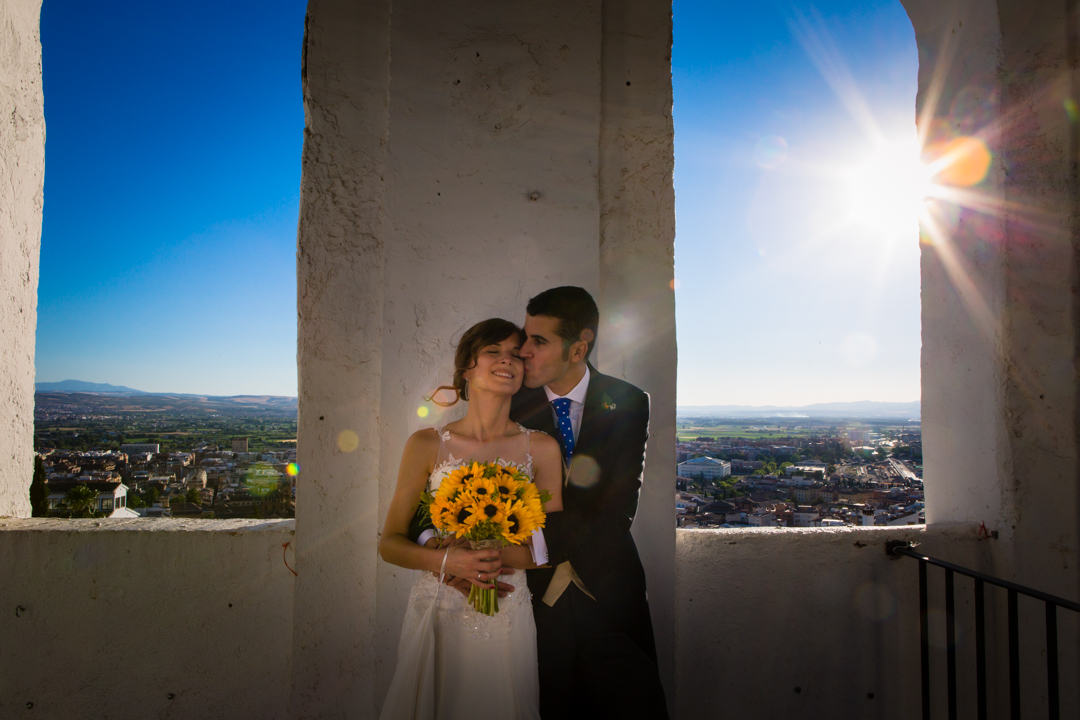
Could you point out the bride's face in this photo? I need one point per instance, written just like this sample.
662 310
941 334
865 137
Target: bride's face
498 368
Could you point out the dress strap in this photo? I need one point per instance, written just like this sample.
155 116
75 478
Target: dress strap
528 447
443 437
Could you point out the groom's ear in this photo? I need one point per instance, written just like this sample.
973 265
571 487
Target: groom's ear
580 349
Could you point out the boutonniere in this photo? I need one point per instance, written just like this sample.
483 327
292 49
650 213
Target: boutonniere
606 402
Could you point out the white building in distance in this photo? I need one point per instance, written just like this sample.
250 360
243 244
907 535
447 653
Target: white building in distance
704 467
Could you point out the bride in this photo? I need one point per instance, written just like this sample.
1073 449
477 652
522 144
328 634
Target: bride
454 662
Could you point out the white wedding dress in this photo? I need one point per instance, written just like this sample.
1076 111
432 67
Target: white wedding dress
453 662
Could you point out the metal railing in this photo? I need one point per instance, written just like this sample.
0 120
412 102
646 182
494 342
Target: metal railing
903 548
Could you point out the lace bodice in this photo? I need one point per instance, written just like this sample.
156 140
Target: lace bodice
455 450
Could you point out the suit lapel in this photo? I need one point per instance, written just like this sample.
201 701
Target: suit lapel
595 418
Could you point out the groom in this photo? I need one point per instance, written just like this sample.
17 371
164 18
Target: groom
594 634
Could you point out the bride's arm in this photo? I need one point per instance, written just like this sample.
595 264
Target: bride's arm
547 471
395 547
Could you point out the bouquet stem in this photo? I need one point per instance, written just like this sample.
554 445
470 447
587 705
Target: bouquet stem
485 600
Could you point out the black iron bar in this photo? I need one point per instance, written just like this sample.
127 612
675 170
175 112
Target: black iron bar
1014 656
950 649
924 634
1030 592
980 649
1052 662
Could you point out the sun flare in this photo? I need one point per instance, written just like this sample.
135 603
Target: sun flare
889 188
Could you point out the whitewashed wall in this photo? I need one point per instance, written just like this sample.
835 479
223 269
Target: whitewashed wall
109 618
22 176
461 158
1001 327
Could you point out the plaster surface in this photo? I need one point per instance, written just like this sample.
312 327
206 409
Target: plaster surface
491 197
637 270
821 623
130 619
459 160
22 177
339 266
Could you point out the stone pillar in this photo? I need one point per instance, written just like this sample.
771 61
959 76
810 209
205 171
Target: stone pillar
460 158
964 445
637 271
1000 285
340 298
22 177
1001 293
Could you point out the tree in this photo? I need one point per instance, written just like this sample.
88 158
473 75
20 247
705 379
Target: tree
193 496
39 492
830 470
81 502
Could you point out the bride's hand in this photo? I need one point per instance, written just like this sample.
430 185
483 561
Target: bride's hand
479 567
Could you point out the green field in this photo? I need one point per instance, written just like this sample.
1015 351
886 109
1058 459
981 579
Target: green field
687 431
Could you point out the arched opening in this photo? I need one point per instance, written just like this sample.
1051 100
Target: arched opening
799 186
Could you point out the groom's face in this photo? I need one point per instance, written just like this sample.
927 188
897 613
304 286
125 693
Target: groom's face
546 360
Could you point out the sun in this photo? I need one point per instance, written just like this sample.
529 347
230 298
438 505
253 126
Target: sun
888 189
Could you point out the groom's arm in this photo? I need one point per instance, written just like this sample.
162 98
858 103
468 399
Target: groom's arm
606 518
418 525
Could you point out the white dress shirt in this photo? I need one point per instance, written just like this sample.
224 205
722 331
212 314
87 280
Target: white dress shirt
577 403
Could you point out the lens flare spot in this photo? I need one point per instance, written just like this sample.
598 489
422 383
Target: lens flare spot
584 472
261 479
1071 109
422 411
771 151
348 441
939 635
962 162
292 469
674 284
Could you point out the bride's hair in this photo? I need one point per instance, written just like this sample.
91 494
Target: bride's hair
475 339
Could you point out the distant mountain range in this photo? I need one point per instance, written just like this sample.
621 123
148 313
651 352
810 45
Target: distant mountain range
70 386
105 398
865 409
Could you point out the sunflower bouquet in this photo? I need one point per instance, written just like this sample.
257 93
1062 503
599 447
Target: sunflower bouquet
490 504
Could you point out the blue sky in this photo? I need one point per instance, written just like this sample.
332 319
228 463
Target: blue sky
173 171
171 195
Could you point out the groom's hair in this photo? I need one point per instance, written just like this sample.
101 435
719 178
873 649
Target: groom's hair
575 310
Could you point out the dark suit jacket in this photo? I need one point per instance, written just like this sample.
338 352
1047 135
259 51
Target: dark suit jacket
600 498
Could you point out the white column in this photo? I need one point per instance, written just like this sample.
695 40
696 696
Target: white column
22 177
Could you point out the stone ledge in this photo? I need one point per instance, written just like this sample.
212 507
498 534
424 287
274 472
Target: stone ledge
150 525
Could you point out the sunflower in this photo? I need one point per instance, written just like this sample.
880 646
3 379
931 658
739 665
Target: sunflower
527 491
462 516
440 508
453 483
517 525
506 484
490 510
481 488
535 507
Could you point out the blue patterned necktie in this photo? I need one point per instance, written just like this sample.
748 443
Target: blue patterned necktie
566 429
